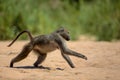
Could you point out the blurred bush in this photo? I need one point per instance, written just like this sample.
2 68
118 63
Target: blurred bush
100 18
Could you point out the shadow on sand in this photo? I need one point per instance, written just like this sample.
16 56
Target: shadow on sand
39 67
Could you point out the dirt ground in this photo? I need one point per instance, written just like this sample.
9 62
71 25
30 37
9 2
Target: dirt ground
103 63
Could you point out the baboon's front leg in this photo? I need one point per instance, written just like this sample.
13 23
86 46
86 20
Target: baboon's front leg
40 59
73 53
65 50
67 58
23 54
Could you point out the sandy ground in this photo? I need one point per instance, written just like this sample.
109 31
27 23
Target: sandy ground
103 63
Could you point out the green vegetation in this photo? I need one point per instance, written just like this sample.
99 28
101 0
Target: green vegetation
100 18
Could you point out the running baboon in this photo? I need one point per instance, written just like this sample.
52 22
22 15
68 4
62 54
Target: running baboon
43 44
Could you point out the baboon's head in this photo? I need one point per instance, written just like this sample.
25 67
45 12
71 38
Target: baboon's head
64 33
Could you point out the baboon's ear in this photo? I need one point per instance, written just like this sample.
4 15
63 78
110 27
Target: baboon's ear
60 29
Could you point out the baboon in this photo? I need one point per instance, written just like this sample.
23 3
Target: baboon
43 44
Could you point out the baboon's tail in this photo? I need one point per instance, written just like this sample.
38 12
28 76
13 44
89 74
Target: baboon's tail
29 34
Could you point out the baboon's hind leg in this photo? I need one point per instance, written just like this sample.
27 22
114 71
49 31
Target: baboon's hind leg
23 54
40 59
